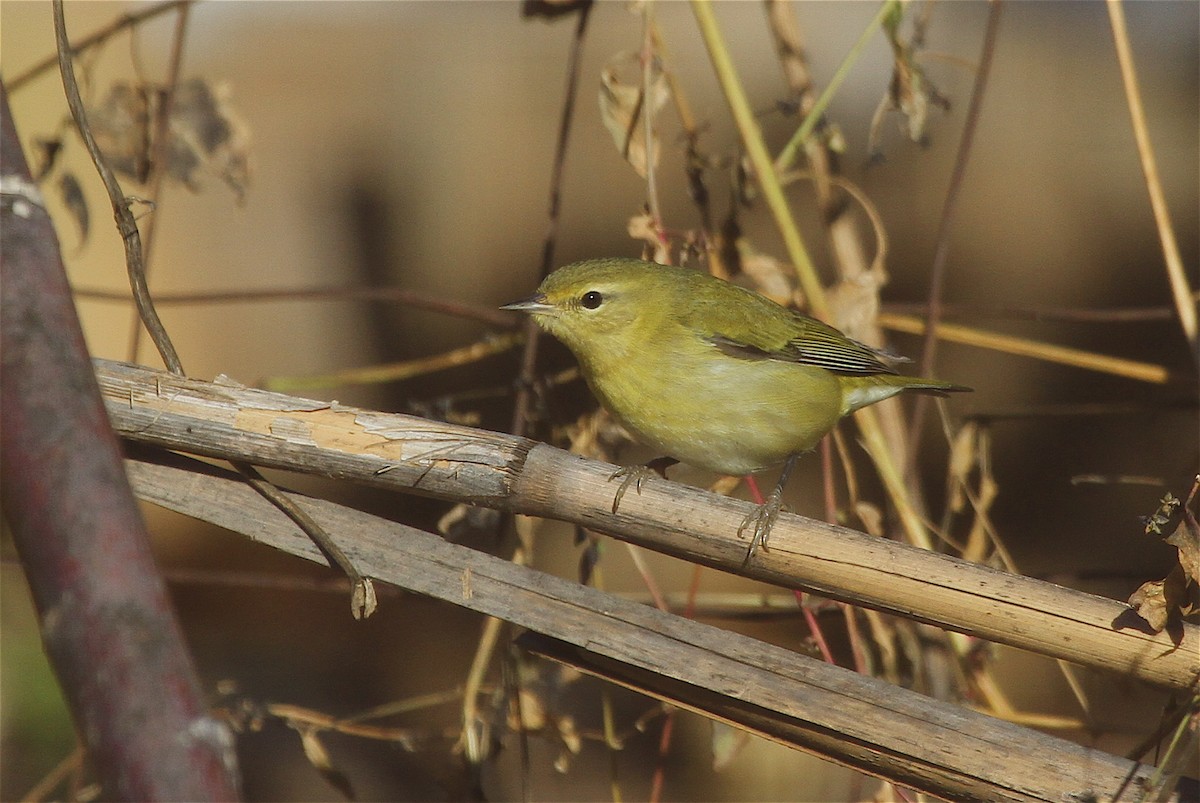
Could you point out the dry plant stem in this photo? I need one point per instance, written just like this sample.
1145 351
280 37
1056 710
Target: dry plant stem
937 275
1176 273
756 150
527 374
859 721
397 371
158 159
648 115
867 419
86 42
787 156
955 333
458 463
126 225
363 597
397 295
1103 315
105 617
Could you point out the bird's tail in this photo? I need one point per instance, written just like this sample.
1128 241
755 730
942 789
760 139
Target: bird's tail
859 391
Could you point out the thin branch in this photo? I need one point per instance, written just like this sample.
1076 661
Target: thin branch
1117 366
1176 273
395 295
787 156
126 225
937 277
433 458
159 156
80 45
362 600
859 721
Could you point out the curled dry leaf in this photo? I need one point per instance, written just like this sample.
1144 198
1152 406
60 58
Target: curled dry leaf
622 107
1186 539
206 134
910 91
1179 594
1155 600
641 227
72 196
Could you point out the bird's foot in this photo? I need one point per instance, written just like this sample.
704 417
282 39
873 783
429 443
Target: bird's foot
636 475
761 520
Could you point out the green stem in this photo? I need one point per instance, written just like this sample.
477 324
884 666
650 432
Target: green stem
756 150
788 155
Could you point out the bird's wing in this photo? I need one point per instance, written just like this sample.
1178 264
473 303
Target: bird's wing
803 340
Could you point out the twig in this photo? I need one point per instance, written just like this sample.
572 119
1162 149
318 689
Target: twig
126 225
1132 369
80 45
397 371
787 156
756 150
396 295
937 277
159 156
363 598
1176 274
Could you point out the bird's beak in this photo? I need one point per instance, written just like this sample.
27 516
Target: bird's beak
533 304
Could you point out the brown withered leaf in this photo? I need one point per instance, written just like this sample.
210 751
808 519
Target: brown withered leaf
206 134
72 197
1186 539
910 91
622 107
551 9
1156 600
641 227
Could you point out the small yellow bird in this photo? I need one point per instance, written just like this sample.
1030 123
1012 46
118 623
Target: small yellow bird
708 372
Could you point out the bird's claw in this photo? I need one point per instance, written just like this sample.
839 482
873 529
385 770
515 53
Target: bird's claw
635 476
762 519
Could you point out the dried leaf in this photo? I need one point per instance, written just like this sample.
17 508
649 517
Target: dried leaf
1157 600
46 153
641 227
910 91
363 600
72 197
206 134
551 9
316 754
1186 539
622 106
121 127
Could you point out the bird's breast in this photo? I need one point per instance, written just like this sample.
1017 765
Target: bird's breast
722 413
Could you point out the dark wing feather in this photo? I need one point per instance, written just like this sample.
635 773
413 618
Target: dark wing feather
812 343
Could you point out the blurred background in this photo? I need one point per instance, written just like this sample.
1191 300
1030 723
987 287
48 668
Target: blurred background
411 145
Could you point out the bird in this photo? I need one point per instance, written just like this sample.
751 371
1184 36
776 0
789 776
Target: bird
709 373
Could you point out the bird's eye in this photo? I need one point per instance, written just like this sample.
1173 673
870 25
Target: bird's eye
591 299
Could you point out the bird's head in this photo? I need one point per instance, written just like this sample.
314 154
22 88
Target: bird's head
598 304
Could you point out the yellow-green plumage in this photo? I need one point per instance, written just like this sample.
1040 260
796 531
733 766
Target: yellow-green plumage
707 372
